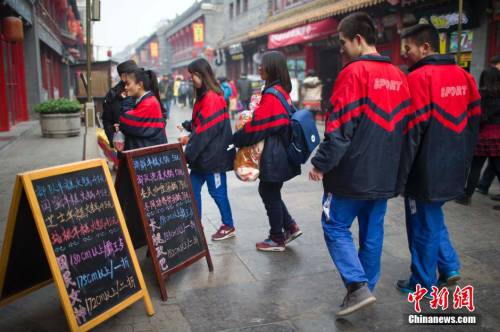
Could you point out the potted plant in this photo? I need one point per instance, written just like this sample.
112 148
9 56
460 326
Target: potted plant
60 117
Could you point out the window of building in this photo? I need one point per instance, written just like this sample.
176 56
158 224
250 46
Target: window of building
238 7
245 6
231 10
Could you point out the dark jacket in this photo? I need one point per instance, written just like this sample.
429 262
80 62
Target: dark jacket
166 88
271 123
490 107
113 107
364 130
442 130
144 125
210 138
244 87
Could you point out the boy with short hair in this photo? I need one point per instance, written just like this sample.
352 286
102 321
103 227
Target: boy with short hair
358 160
441 133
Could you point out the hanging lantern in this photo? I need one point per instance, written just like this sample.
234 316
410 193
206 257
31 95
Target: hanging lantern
12 29
109 54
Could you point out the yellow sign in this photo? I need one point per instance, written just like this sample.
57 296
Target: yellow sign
442 43
154 49
198 34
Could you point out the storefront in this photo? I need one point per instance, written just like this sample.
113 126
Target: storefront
299 46
13 101
445 19
51 64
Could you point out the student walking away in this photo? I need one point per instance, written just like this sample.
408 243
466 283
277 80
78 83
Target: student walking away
441 135
207 147
271 123
116 101
244 88
359 158
488 145
166 94
144 125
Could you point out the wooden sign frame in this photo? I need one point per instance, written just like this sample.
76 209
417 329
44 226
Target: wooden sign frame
127 162
24 183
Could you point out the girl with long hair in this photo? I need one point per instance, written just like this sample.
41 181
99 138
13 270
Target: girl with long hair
144 125
271 122
207 146
488 144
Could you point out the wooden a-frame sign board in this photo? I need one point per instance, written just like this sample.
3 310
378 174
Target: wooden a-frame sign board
161 210
29 259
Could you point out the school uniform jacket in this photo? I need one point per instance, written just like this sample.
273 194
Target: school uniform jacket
144 125
210 138
271 123
361 151
442 131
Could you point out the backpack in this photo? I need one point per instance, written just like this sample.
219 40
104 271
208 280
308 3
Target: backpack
305 135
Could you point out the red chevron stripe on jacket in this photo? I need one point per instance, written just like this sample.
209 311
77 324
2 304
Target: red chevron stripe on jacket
442 130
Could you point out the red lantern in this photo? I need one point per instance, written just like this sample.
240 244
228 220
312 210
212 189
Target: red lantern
109 53
12 29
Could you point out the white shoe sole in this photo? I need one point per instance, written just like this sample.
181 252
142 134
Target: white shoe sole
354 308
293 237
228 236
271 249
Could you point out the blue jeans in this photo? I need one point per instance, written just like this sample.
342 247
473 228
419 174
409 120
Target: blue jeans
337 218
429 242
217 188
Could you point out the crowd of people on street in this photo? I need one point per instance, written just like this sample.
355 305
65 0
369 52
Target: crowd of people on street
421 135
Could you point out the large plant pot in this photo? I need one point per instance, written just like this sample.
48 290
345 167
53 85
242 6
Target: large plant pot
60 124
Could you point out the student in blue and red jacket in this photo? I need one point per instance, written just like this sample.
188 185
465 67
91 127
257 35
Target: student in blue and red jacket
442 133
271 123
208 150
144 125
359 159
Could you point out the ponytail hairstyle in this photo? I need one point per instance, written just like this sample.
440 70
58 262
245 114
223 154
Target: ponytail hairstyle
202 68
149 82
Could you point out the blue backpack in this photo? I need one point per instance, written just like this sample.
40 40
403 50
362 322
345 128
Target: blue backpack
305 136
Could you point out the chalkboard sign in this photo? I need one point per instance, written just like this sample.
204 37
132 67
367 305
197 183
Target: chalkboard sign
163 202
86 243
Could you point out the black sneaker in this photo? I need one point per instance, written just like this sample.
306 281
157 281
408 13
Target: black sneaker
482 190
495 197
464 200
358 296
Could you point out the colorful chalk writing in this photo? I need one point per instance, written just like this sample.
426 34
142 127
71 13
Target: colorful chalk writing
168 207
88 241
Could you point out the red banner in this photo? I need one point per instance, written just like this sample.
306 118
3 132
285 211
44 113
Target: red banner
305 33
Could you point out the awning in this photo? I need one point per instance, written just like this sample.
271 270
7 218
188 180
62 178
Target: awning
305 33
313 15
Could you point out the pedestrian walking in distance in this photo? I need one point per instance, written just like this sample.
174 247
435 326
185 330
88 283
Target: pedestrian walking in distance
271 123
207 146
441 134
359 158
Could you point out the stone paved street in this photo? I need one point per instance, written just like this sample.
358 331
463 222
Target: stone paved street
298 290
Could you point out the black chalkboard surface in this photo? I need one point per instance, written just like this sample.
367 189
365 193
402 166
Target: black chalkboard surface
85 233
166 205
65 224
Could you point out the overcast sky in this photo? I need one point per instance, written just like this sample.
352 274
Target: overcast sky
125 21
